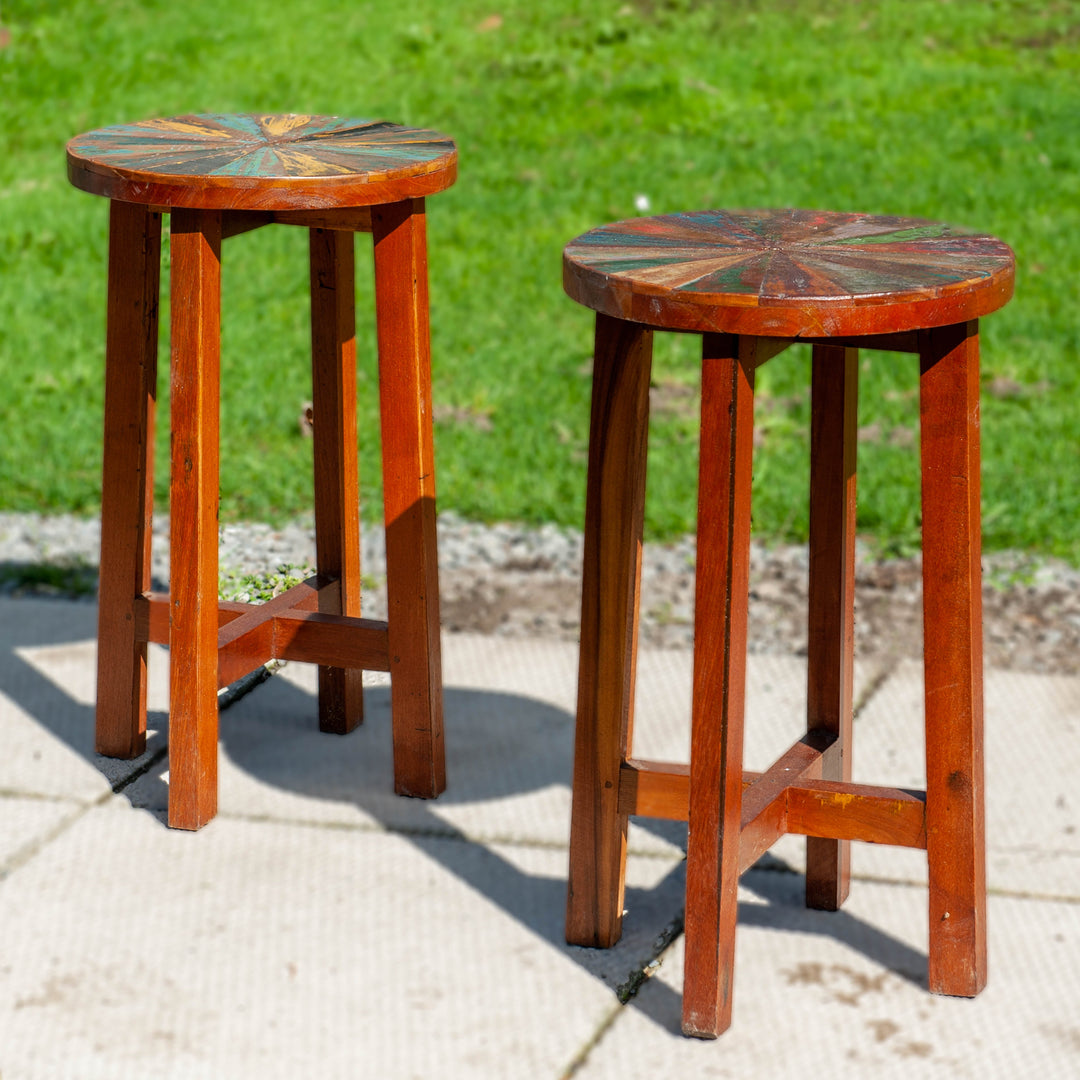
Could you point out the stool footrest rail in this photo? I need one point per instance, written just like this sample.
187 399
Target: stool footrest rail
289 627
802 805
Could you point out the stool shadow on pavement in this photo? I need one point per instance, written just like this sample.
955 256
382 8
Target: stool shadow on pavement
506 805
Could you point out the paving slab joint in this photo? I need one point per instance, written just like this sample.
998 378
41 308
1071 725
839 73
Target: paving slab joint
880 676
625 991
582 1056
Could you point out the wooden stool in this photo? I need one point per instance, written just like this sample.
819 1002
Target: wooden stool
752 283
219 175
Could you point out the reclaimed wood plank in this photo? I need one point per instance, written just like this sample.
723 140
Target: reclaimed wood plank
261 161
788 273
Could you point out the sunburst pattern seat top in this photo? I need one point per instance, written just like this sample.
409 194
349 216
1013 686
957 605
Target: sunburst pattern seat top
788 272
261 162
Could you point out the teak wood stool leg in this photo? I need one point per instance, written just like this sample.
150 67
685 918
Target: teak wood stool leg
412 570
337 506
831 624
614 522
193 510
719 681
952 612
127 493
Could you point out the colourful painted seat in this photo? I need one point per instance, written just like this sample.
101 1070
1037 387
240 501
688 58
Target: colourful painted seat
219 175
753 283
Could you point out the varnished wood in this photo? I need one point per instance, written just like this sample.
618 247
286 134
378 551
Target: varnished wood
905 342
193 512
654 789
261 161
764 802
843 811
719 680
337 497
412 570
614 524
286 628
822 808
834 426
127 490
952 621
788 273
152 615
248 641
221 176
754 282
344 219
316 637
238 222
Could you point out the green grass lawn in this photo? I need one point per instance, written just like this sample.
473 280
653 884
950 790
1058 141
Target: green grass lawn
564 113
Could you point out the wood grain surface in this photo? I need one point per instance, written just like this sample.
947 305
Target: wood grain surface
193 519
952 659
259 161
719 680
834 423
408 458
127 490
337 495
788 272
614 525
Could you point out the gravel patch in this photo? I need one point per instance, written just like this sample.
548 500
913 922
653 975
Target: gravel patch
516 580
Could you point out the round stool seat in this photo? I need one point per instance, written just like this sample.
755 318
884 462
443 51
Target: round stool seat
788 273
261 162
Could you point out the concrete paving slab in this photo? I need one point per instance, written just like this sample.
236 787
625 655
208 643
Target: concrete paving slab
274 950
323 922
509 744
28 823
1032 742
842 994
47 680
